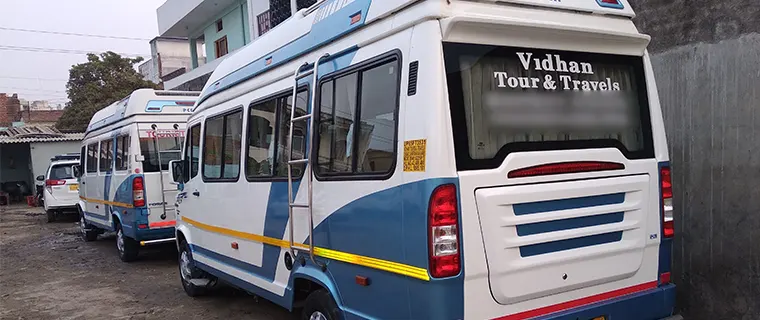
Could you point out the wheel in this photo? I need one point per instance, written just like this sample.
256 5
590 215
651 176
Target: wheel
88 232
195 281
128 247
50 215
320 306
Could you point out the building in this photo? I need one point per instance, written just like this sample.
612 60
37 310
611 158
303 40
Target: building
218 28
14 113
170 57
706 59
25 153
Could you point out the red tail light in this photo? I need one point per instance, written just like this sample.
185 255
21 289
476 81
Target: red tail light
665 278
667 202
564 167
51 182
138 192
443 226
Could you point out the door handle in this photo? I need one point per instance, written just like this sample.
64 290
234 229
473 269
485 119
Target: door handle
196 193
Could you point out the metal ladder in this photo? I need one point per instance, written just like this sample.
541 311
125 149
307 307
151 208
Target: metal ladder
160 174
306 160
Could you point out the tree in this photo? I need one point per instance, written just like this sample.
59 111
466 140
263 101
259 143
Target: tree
97 83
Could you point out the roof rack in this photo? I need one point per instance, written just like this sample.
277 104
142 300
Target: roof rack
65 156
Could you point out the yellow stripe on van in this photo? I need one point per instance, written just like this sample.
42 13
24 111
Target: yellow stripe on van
389 266
110 203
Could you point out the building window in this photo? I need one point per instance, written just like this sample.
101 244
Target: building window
92 158
106 155
222 145
221 47
265 22
219 25
357 121
122 153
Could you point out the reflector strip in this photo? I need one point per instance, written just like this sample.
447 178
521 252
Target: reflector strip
390 266
110 203
580 302
565 167
163 224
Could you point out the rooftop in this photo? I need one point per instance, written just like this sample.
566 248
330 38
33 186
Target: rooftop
28 134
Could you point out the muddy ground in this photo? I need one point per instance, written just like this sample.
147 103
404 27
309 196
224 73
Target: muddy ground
48 272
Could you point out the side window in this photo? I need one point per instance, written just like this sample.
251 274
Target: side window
106 155
268 151
357 122
222 141
122 153
192 150
92 158
83 158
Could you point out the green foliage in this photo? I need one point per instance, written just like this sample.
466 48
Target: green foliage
97 83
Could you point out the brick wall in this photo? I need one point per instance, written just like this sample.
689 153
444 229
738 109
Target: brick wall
9 109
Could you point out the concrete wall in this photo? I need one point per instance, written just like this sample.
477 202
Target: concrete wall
42 152
706 58
234 28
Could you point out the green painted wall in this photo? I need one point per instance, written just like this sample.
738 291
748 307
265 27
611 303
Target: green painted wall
235 27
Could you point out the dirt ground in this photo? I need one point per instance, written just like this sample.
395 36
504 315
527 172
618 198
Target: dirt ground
48 272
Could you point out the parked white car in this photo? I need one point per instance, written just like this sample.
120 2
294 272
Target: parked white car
61 191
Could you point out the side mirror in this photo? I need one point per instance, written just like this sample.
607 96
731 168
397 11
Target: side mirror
77 172
176 168
40 178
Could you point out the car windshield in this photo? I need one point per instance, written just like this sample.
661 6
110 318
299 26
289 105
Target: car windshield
61 172
168 149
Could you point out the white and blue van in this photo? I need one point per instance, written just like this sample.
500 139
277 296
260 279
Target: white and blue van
437 159
124 182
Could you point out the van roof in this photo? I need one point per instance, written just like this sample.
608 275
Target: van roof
144 102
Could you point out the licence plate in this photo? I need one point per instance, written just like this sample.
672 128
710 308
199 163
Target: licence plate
74 187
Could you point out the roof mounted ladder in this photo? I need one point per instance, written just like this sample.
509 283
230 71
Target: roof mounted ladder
305 161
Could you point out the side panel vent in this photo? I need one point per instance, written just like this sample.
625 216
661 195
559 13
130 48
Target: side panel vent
413 68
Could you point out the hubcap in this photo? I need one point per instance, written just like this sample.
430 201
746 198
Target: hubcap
184 266
120 240
317 316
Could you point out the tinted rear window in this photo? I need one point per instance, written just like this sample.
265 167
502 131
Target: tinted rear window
169 149
506 99
61 172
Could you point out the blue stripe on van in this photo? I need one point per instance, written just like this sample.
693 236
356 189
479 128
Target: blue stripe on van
571 203
568 244
571 223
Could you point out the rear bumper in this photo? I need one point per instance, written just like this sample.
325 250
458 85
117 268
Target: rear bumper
654 304
155 234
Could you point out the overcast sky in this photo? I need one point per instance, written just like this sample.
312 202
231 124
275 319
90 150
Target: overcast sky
43 75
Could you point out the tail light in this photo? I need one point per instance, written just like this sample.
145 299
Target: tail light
138 192
667 202
50 183
443 226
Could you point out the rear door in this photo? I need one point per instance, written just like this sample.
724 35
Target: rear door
555 155
62 185
158 146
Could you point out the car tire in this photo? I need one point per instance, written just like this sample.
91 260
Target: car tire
320 305
89 233
50 215
188 271
128 248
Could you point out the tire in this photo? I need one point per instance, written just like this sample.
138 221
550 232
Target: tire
128 248
188 271
321 306
50 215
89 233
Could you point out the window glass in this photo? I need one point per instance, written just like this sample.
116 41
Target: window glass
193 151
376 143
92 158
169 148
61 172
339 135
223 142
359 141
122 153
83 158
261 121
106 155
233 138
299 134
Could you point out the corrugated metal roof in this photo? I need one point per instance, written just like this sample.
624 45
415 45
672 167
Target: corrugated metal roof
27 134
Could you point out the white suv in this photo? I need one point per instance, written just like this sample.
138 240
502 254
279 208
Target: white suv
61 191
